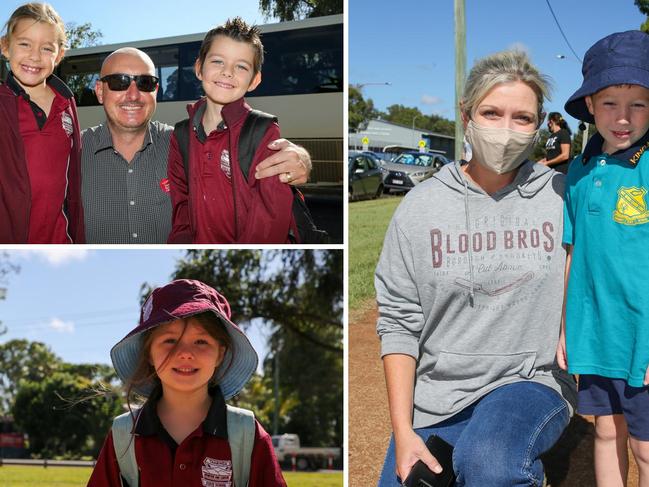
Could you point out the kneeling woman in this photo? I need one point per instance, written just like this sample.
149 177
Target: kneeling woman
469 287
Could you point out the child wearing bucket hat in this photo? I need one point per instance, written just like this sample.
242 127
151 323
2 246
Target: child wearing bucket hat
187 358
605 334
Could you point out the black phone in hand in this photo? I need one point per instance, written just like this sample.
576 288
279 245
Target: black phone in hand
422 476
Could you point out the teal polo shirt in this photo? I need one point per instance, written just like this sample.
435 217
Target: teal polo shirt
606 220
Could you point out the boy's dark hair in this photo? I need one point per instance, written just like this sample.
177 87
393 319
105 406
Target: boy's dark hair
238 30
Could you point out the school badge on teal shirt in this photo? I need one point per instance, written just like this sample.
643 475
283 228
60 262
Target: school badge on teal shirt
631 207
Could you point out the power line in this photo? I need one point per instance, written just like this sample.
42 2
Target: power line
561 30
28 320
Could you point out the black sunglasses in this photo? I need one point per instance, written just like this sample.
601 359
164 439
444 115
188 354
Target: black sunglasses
121 82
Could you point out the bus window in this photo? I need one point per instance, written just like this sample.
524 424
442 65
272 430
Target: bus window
302 61
80 75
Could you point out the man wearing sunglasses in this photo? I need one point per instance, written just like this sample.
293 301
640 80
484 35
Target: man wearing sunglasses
125 189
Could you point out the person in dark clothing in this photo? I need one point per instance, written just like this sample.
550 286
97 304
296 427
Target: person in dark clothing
557 147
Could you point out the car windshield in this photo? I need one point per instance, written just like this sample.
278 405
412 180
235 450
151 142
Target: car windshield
424 160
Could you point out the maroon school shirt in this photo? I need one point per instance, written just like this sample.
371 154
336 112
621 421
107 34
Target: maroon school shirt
163 463
50 147
219 205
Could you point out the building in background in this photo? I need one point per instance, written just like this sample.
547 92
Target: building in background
382 134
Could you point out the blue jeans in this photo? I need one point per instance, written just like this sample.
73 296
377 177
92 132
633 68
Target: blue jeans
499 439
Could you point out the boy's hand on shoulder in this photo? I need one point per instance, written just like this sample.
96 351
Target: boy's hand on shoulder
291 162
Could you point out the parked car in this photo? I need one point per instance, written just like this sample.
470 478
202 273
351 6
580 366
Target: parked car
411 168
365 176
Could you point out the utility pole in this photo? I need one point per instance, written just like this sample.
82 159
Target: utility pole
276 390
3 295
460 69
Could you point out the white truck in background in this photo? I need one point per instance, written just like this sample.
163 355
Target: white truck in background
292 456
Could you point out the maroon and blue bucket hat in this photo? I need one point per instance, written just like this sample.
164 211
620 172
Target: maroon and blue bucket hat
617 59
183 298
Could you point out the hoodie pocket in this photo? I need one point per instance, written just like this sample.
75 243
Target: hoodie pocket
472 371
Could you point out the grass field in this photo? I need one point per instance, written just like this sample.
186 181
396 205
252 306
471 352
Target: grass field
368 221
22 476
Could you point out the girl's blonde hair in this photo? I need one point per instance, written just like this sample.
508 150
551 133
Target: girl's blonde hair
38 12
145 372
503 67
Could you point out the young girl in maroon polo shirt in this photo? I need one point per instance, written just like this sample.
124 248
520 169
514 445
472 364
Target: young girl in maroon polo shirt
186 357
40 138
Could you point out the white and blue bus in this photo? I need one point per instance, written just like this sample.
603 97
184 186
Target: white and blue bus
302 84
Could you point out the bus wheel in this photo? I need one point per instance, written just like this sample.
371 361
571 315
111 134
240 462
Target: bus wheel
302 463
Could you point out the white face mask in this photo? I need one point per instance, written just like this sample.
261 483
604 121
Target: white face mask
498 149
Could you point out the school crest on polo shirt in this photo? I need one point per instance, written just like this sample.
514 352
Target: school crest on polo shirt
631 207
216 473
225 163
66 122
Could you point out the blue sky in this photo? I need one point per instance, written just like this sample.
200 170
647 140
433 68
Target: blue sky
410 44
128 20
82 302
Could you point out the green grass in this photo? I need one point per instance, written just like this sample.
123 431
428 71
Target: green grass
308 479
28 476
368 221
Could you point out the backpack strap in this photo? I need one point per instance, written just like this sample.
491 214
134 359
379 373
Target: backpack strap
253 131
124 444
181 131
241 436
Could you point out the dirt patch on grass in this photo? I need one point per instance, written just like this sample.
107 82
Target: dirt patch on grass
568 464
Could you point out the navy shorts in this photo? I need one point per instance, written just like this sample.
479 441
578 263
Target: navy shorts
601 396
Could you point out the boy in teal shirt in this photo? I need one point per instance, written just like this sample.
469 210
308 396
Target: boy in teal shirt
605 337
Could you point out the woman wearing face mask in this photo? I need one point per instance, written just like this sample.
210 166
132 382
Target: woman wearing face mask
469 288
557 147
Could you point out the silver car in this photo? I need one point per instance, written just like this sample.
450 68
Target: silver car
410 169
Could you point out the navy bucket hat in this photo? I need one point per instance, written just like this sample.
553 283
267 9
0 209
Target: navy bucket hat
618 59
183 298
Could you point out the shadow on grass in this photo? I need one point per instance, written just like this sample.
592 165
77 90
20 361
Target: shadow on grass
570 462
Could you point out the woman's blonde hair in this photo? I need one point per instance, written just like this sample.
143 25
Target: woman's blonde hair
503 67
38 12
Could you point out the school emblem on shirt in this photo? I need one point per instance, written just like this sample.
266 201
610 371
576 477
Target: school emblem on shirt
66 121
164 185
225 163
631 207
216 473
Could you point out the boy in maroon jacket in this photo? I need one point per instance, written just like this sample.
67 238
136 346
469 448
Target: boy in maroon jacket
217 204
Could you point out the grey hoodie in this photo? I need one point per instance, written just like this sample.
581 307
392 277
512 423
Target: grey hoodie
471 286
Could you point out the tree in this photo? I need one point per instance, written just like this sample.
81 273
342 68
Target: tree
6 268
299 9
21 360
643 6
539 149
360 110
82 35
298 294
62 418
407 115
441 125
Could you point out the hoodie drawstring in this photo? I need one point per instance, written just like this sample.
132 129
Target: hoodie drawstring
470 239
